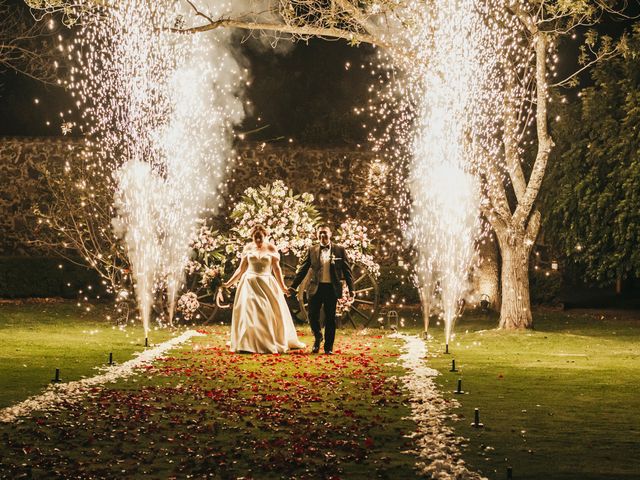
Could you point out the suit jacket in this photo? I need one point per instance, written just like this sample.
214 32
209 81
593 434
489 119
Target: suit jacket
340 268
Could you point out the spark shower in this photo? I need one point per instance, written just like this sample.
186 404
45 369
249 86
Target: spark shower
159 108
453 55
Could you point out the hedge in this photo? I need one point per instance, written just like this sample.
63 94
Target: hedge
22 277
544 286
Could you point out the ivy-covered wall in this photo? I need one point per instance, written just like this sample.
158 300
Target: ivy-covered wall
22 186
337 177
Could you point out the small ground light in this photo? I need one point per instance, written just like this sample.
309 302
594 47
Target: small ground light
446 348
476 419
111 358
509 473
453 365
459 390
146 341
57 377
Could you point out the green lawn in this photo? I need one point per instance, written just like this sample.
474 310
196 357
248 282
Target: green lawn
203 412
560 402
37 338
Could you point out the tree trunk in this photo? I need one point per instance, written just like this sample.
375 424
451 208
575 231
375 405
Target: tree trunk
515 312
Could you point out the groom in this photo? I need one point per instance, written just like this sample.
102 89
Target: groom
329 264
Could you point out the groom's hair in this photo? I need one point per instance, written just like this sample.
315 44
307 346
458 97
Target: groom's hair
323 225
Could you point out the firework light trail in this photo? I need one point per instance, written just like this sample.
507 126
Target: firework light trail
444 214
158 108
447 136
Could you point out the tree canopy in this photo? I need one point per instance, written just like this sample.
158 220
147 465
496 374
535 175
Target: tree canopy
592 191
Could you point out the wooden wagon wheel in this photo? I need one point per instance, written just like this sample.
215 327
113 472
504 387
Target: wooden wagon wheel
367 298
365 305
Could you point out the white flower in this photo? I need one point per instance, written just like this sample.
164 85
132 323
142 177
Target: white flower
188 304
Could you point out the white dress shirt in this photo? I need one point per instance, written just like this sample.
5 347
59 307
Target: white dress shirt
325 264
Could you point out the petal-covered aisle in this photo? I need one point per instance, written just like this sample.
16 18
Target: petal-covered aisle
202 412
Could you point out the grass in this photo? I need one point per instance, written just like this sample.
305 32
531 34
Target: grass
560 402
204 412
36 338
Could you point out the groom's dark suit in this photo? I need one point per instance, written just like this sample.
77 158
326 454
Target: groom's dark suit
324 293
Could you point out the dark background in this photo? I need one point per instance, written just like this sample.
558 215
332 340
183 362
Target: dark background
305 94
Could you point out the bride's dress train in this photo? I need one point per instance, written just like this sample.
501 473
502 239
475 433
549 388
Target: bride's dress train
261 320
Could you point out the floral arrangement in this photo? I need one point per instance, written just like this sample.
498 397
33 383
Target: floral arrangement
208 257
291 219
188 304
204 269
344 302
353 237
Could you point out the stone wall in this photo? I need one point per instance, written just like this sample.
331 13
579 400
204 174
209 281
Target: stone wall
22 185
337 177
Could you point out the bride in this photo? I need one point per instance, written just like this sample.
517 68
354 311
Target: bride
261 321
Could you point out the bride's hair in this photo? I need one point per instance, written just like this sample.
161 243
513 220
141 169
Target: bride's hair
258 228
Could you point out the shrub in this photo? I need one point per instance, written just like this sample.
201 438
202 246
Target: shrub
545 286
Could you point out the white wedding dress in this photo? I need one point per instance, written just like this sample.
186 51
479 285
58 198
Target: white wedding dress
261 321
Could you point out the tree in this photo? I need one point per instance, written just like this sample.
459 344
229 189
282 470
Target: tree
513 207
593 191
512 183
25 45
75 220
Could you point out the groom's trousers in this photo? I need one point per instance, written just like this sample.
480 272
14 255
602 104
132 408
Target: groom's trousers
325 296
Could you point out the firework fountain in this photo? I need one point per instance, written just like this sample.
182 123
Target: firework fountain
451 54
158 109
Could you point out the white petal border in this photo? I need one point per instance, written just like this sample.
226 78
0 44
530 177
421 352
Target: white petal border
64 393
436 444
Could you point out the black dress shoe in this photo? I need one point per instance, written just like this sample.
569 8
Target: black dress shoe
328 352
315 349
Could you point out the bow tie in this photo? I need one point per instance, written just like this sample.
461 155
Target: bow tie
325 247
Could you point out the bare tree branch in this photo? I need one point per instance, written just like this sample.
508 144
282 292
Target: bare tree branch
26 46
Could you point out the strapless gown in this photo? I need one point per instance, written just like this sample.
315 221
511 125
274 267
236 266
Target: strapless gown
261 321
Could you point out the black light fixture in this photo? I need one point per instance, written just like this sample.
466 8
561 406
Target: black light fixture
453 365
484 303
459 390
146 341
110 358
476 419
57 377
